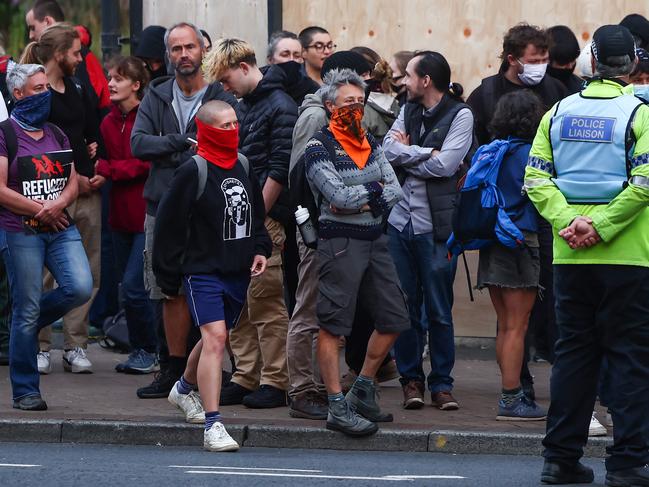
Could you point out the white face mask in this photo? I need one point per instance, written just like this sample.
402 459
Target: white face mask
532 73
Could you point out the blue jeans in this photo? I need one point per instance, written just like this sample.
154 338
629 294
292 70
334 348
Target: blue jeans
25 256
129 250
426 276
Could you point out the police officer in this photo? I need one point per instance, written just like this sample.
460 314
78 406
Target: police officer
588 175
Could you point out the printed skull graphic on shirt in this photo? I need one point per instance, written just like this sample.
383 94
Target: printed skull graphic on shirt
237 219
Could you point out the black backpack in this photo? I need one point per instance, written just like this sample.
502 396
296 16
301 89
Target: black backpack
11 139
300 191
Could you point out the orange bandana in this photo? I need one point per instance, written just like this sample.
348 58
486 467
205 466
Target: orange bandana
345 125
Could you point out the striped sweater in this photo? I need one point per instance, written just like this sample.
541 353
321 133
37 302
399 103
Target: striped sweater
343 185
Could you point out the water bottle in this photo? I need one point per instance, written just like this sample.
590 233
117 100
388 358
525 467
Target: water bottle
307 230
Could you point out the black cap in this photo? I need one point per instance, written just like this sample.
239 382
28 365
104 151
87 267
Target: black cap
346 60
638 25
152 44
612 40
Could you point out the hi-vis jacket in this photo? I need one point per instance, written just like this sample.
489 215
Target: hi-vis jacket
561 161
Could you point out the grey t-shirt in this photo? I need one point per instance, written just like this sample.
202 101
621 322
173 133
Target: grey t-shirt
186 106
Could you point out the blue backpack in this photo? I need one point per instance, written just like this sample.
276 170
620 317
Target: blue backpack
480 218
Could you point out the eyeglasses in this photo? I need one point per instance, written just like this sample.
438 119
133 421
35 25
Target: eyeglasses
320 46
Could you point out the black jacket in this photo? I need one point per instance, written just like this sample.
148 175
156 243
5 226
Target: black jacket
156 135
218 233
484 98
295 81
267 116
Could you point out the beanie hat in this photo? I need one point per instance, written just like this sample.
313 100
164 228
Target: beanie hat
346 60
152 44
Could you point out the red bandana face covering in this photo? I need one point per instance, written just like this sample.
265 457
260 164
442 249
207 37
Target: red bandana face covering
218 146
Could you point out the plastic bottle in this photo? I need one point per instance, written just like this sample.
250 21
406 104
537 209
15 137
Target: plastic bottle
307 230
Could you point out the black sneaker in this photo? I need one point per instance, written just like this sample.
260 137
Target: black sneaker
559 473
30 403
232 393
629 477
265 397
161 386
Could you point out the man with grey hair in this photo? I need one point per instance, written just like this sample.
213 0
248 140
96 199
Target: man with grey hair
588 175
165 134
38 182
356 188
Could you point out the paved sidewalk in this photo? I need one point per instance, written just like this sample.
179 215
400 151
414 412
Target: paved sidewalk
103 407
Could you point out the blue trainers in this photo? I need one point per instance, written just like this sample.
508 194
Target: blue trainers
521 410
140 362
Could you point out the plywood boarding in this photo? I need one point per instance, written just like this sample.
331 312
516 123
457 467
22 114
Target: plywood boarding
468 32
245 19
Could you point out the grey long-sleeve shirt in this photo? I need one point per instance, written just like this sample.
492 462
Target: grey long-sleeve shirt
420 164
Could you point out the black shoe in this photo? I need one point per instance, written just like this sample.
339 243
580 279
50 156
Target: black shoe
30 403
161 386
232 394
560 473
4 357
308 406
629 477
265 397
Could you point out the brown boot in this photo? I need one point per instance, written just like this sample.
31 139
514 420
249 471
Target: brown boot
413 395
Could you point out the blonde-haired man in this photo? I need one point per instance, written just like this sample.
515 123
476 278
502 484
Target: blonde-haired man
266 115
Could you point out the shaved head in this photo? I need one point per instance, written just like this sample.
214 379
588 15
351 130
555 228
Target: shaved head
216 113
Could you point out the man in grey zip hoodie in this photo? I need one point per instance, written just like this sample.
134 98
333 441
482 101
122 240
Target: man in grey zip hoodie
162 132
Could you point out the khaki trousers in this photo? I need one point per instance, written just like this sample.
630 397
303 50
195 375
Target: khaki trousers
303 328
86 213
259 340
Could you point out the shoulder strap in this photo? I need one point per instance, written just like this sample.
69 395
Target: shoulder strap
243 160
11 139
201 165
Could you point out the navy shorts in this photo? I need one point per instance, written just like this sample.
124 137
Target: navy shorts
212 297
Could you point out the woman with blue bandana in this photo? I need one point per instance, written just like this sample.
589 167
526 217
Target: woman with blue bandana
37 183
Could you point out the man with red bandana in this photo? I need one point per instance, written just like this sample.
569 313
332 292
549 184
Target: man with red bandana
210 235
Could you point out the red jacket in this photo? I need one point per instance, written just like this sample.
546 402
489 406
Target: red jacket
128 174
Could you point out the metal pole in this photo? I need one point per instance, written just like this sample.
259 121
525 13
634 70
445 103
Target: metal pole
274 16
135 20
109 28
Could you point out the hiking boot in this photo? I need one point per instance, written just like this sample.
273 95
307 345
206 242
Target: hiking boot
444 400
161 386
520 410
596 428
342 417
190 404
75 361
232 394
44 363
218 439
308 406
30 403
265 397
362 398
559 473
387 372
141 362
413 395
629 477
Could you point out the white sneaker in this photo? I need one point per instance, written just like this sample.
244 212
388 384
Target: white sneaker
596 428
75 361
190 404
44 363
217 439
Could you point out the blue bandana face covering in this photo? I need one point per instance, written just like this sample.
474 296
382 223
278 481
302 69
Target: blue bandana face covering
32 112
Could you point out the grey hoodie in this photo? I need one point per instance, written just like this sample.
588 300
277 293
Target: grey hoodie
156 136
312 116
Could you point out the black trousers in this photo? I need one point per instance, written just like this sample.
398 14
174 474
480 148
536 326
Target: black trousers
602 312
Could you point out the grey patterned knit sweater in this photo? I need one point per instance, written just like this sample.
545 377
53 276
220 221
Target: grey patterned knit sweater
346 187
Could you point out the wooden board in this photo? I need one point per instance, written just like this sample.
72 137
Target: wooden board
468 32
